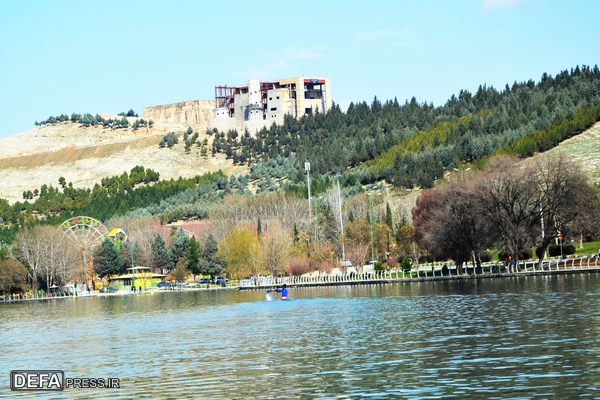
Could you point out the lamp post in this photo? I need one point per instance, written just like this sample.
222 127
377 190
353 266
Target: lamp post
462 172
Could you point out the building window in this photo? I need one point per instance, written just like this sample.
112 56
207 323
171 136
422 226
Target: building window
270 98
277 97
273 108
308 111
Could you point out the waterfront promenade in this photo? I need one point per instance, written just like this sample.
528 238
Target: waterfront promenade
426 272
435 271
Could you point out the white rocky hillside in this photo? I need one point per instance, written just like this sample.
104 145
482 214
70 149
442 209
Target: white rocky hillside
84 156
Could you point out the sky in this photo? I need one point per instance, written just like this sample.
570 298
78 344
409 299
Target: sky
60 57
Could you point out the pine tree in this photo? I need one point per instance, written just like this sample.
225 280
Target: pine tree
160 258
107 259
210 263
180 246
193 256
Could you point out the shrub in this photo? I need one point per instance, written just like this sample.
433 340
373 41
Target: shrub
568 249
406 264
485 256
525 254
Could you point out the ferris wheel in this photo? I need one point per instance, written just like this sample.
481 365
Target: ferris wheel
86 232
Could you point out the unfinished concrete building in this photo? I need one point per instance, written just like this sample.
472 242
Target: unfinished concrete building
260 104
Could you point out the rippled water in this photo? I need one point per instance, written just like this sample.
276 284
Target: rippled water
527 337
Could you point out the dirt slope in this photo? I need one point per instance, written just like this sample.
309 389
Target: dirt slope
84 156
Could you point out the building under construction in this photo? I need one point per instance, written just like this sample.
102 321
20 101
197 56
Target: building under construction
260 104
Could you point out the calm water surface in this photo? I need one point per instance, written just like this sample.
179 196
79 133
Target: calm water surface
528 337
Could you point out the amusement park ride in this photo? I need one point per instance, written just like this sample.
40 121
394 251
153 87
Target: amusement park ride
87 233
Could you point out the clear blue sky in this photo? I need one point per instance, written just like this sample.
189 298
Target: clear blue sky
111 56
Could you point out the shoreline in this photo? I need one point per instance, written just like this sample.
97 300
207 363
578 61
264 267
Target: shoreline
375 281
425 279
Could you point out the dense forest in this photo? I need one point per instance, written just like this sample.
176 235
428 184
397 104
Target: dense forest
411 144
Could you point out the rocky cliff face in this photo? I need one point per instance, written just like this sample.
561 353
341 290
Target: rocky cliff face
192 112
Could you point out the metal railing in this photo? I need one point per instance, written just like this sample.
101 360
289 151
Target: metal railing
428 271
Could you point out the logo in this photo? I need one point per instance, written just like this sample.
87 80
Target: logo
37 380
53 380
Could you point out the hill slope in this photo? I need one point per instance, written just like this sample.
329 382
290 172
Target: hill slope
583 148
84 156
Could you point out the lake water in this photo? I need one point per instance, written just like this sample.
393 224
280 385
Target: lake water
526 337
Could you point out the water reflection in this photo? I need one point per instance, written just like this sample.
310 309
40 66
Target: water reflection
493 338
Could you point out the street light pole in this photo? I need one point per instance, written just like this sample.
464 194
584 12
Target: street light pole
462 172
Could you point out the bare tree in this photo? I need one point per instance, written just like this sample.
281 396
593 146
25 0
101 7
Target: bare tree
509 196
298 266
275 246
448 224
358 253
566 200
382 240
61 257
13 276
28 249
237 209
356 207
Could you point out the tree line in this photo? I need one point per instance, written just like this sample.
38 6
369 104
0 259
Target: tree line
97 120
